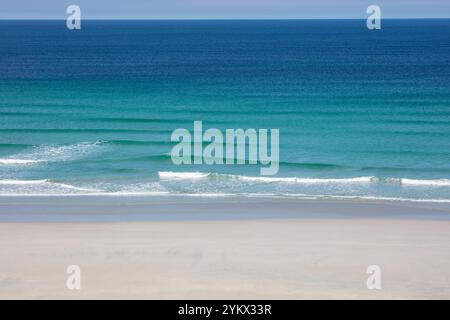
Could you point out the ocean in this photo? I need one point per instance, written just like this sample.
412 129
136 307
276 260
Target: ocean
361 113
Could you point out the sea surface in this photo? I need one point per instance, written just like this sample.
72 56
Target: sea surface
361 113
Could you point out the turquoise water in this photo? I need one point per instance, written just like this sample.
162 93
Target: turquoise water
361 113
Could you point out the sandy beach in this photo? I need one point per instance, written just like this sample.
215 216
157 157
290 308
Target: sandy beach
248 150
241 248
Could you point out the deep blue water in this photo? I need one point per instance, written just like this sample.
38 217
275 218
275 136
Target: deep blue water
361 113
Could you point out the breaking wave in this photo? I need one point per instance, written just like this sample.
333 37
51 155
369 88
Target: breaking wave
169 175
45 186
51 153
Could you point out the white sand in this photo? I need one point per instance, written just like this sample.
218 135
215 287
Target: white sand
274 259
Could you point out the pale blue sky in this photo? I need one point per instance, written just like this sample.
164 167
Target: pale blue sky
223 9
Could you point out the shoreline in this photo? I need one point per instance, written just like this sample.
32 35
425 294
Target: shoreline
226 195
141 208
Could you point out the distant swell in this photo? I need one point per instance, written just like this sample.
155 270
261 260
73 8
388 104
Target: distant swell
302 165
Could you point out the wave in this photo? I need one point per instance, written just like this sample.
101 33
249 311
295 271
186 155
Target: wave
52 153
155 158
326 113
22 182
218 176
138 142
438 182
87 130
48 188
407 169
306 180
182 175
18 161
140 120
168 175
304 165
341 197
167 158
30 114
312 165
40 186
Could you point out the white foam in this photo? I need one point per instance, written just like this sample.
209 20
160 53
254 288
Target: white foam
52 153
212 195
182 175
22 182
207 195
18 161
438 182
167 175
45 186
48 188
306 180
134 193
68 186
374 198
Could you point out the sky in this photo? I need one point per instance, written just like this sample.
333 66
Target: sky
223 9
